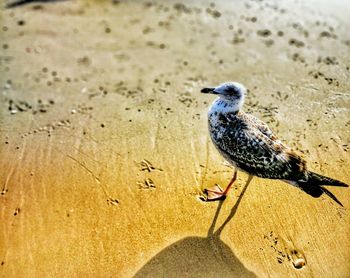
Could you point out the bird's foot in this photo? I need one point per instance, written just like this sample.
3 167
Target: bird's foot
215 193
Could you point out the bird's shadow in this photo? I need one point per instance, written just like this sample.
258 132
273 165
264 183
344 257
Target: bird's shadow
198 256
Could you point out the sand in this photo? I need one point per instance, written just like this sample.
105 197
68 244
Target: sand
104 149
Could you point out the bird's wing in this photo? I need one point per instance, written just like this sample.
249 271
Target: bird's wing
255 152
259 124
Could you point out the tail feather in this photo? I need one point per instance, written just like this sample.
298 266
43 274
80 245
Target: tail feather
312 185
331 195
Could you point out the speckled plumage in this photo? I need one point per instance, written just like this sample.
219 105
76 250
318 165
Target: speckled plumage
249 144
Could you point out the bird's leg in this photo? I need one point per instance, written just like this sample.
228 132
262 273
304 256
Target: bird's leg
217 193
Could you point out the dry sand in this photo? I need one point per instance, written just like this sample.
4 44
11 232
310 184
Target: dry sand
104 149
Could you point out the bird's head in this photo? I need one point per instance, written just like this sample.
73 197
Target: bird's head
229 91
232 93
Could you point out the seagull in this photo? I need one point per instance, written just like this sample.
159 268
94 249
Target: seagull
249 145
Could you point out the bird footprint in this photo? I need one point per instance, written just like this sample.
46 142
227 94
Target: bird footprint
285 251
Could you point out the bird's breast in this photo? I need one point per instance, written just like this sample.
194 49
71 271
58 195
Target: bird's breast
221 126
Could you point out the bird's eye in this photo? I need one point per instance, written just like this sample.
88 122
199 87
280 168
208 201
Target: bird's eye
231 91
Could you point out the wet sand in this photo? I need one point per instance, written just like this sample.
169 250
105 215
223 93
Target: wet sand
104 150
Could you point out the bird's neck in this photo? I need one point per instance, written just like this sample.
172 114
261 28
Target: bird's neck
225 106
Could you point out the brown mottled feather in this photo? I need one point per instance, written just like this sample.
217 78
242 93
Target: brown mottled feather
250 145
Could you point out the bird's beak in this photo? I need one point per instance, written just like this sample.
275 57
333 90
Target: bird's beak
208 91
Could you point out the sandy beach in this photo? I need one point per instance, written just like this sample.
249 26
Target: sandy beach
105 153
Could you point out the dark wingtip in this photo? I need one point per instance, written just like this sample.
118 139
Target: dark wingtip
317 179
342 184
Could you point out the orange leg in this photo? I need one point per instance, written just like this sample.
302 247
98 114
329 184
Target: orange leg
217 193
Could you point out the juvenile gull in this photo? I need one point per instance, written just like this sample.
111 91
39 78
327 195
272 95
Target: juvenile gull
249 145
